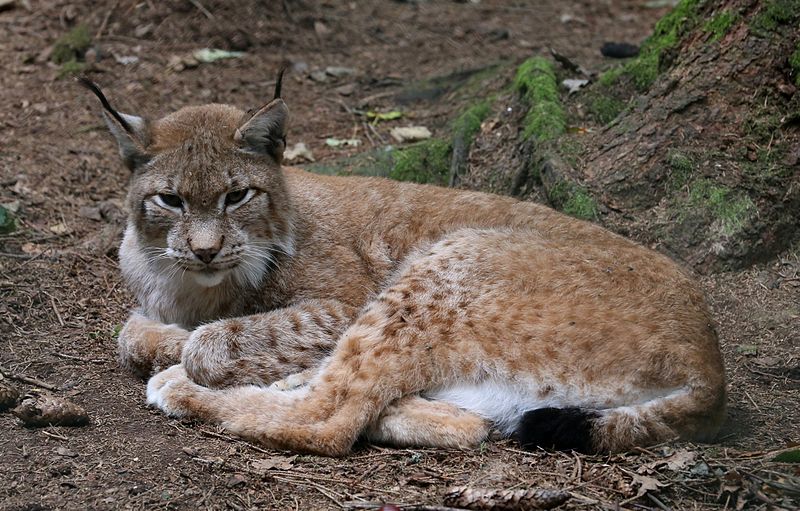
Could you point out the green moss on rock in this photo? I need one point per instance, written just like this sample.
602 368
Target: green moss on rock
729 208
774 14
681 168
573 200
536 82
606 108
425 162
7 221
469 122
71 46
719 25
794 62
667 34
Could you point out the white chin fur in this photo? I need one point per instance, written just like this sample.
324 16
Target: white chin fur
210 279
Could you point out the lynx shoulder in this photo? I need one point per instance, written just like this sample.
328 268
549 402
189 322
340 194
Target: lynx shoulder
304 311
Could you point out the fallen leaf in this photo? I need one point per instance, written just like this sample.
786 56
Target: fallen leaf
646 484
680 459
60 229
31 248
574 85
299 151
213 54
410 133
749 350
384 116
337 142
273 463
792 456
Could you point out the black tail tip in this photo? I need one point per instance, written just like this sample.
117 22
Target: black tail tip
561 429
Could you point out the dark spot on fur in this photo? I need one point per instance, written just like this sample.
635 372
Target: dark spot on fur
562 429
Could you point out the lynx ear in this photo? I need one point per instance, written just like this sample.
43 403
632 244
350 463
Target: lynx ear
131 132
265 131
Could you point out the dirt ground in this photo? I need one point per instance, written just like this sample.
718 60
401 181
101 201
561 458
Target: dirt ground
62 298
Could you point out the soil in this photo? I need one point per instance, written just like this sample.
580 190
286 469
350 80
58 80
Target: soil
63 300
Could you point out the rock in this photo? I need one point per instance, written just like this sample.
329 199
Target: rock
574 85
346 90
49 410
318 76
321 28
619 50
410 133
338 71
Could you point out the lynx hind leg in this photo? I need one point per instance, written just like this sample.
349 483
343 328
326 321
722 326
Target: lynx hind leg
414 421
145 346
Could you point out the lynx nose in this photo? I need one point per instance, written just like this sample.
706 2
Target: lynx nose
206 254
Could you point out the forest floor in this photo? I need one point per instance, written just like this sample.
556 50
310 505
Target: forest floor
63 299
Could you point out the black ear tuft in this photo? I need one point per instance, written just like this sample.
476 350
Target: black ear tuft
279 82
84 81
130 131
562 429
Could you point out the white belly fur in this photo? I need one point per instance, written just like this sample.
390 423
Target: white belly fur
504 403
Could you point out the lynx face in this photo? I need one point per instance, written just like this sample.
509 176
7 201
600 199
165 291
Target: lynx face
208 222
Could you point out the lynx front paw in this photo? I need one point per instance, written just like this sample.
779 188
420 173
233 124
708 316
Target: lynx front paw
173 392
145 345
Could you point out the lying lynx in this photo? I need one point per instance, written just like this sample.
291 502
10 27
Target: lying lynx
419 316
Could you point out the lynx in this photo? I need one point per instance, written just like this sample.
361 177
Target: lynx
306 312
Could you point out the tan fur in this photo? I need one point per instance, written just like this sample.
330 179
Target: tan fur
409 299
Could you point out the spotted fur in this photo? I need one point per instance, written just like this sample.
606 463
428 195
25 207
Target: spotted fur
323 309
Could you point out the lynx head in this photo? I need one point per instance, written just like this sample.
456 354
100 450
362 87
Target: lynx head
207 199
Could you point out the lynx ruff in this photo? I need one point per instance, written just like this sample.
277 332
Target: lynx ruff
304 312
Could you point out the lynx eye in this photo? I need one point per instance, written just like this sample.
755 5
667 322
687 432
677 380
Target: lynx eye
169 200
237 197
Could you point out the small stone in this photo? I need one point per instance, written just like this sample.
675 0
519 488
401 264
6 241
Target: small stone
321 29
67 453
339 71
190 451
235 481
346 90
318 76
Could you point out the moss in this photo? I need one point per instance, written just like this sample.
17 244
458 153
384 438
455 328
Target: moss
609 78
70 68
573 200
469 122
681 169
719 25
71 46
536 82
425 162
775 13
7 221
606 108
794 62
644 69
731 209
570 150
